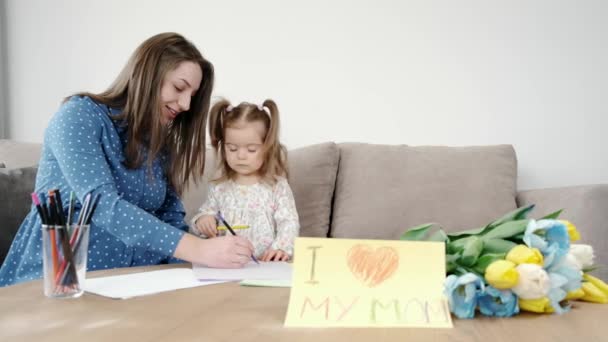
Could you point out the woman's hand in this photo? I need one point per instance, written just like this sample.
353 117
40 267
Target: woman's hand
207 226
274 255
227 252
222 252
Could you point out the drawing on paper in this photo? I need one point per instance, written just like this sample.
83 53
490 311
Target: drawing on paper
372 266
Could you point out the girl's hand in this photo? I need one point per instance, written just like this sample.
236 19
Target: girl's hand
274 255
207 226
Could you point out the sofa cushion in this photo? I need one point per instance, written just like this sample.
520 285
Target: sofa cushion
16 185
312 177
14 154
382 190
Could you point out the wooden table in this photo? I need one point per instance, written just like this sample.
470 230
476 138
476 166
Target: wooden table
229 312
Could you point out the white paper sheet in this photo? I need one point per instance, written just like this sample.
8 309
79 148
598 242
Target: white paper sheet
253 271
144 283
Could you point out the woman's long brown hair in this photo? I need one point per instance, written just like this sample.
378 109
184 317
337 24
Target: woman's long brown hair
136 91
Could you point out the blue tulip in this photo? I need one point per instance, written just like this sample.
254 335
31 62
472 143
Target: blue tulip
564 277
552 239
557 294
462 293
499 303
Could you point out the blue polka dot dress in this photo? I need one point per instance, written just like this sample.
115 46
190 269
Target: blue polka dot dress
139 219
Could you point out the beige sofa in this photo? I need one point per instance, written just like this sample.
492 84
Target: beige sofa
355 190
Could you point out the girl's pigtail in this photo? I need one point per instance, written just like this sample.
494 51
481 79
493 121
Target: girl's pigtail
272 136
273 147
217 114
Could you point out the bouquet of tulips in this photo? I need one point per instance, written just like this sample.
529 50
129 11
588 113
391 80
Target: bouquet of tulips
515 264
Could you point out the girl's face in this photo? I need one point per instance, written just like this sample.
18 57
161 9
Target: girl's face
178 87
243 147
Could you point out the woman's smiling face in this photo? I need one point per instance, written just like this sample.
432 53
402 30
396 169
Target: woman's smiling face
178 87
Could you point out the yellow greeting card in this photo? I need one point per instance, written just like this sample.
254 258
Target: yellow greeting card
368 283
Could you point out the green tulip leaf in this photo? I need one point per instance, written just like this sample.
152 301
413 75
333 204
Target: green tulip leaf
497 246
457 246
553 216
507 230
450 262
517 214
439 235
592 268
466 233
459 270
452 257
417 233
471 251
519 238
485 260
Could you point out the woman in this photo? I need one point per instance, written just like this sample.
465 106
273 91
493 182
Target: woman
137 145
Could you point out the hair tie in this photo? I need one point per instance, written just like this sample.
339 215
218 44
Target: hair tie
229 109
264 109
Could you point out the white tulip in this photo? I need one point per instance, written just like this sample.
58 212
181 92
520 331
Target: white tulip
583 254
570 261
534 282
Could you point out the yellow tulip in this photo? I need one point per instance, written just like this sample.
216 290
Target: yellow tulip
601 285
522 254
502 274
593 294
575 294
572 231
540 305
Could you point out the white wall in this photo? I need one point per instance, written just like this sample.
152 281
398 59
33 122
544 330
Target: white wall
529 73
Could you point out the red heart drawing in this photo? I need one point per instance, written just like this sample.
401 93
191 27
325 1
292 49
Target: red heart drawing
372 267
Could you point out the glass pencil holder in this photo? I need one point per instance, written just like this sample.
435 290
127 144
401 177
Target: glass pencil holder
64 259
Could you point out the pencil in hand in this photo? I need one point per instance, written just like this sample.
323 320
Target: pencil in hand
220 218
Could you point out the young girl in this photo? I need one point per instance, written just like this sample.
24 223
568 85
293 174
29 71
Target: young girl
251 190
